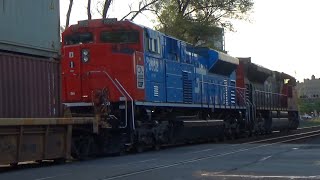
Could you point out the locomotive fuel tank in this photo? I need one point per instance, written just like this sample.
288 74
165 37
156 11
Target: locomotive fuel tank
280 120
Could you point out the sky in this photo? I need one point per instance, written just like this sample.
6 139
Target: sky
282 35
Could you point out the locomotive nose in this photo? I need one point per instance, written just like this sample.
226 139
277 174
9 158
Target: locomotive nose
75 60
71 68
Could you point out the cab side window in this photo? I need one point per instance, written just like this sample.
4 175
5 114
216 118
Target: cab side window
154 45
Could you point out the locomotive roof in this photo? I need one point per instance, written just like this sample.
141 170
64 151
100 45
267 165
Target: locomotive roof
202 51
255 72
259 73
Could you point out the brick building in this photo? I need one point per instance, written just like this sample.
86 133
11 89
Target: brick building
309 88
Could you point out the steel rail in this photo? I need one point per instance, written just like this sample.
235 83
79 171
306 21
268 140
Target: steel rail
211 156
263 142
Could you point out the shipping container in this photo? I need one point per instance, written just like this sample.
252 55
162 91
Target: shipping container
30 26
29 86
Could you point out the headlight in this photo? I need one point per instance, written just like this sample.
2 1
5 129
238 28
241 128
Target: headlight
85 59
85 55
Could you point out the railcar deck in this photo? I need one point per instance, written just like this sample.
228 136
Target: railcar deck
27 139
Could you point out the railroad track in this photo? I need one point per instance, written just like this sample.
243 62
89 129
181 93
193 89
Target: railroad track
299 135
262 138
288 138
260 141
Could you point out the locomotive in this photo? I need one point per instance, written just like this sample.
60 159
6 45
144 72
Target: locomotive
148 89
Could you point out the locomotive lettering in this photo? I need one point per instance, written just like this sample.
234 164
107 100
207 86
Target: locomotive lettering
153 64
140 77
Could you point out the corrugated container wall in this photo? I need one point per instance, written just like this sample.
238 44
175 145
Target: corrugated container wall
29 87
30 26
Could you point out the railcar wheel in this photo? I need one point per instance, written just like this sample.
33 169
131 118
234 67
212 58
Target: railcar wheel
38 161
60 160
157 147
83 147
140 148
13 164
122 152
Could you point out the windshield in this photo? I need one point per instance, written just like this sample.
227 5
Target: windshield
78 38
120 37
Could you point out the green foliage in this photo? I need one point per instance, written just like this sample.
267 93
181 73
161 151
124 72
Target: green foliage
198 20
309 105
310 122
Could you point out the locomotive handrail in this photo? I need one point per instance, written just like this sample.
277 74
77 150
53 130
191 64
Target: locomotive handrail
132 106
243 96
279 95
222 85
237 89
205 82
250 106
107 74
271 93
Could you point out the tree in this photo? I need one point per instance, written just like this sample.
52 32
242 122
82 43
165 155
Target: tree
89 10
106 7
308 105
143 5
198 20
69 13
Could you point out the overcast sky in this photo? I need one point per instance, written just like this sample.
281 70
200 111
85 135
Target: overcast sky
283 35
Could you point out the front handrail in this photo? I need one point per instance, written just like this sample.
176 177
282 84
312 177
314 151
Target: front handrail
132 106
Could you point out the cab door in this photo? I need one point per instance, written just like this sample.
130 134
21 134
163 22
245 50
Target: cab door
71 76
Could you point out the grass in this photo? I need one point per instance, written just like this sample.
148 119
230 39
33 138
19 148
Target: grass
310 122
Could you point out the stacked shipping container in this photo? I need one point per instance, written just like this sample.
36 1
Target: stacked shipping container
29 52
31 27
29 86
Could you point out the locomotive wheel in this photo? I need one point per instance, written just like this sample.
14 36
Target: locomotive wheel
122 152
286 131
157 146
140 148
221 138
236 132
229 134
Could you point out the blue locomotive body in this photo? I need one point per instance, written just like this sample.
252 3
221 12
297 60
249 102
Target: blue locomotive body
179 74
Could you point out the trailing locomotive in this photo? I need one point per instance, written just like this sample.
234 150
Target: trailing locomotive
149 89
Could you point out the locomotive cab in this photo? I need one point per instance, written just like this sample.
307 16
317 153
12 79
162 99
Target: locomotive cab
100 57
102 74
